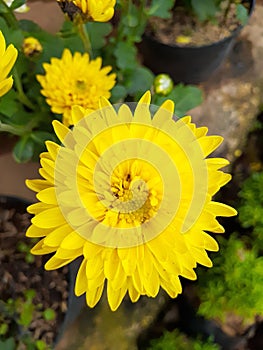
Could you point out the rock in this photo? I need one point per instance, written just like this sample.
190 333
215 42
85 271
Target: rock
233 95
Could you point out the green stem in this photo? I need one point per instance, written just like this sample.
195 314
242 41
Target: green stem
84 35
21 95
11 129
9 16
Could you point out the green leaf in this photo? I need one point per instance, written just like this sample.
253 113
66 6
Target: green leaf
184 97
118 93
30 294
26 315
12 36
3 9
52 45
205 9
138 81
161 8
49 314
9 104
41 136
29 26
8 344
125 54
17 3
97 33
23 150
41 345
3 328
242 14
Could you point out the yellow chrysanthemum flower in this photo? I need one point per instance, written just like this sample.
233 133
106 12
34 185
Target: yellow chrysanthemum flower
75 80
8 57
132 194
88 10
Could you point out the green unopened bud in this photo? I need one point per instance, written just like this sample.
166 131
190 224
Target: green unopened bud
163 84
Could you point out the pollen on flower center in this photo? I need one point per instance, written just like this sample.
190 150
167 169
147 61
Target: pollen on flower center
134 203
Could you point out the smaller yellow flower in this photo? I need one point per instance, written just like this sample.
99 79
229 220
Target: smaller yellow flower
75 80
7 60
31 47
88 10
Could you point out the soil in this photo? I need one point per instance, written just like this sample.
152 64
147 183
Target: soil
182 23
20 271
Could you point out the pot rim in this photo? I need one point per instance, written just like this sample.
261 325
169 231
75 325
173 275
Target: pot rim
232 35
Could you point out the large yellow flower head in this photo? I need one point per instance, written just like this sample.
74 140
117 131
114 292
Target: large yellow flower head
130 190
8 57
88 10
75 80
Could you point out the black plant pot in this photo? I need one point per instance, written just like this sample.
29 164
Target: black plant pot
190 65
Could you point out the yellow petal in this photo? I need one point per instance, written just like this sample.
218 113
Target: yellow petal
93 296
34 231
73 241
209 143
48 195
133 293
37 185
40 248
201 257
55 263
210 243
55 237
81 280
49 218
164 113
220 209
115 296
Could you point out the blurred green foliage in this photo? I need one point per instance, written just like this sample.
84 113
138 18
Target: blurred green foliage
16 316
178 341
251 208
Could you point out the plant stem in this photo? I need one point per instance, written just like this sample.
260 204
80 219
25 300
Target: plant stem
9 16
11 129
21 95
84 35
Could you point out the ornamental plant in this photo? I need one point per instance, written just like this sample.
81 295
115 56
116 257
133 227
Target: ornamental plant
94 54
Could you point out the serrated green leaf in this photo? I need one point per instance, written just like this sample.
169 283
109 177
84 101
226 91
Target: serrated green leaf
125 54
242 14
97 33
138 81
8 104
41 136
23 150
161 8
118 93
184 97
29 26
